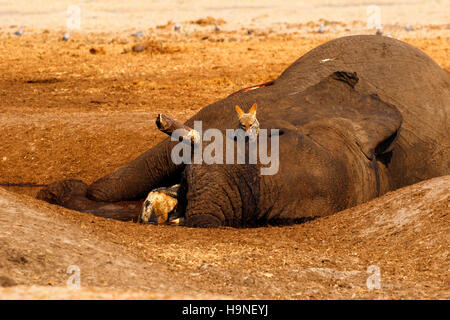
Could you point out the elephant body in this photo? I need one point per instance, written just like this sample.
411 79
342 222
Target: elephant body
358 116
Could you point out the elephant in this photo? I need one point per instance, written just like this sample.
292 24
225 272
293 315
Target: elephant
357 117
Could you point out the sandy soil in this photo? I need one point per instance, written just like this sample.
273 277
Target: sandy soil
81 108
404 234
122 16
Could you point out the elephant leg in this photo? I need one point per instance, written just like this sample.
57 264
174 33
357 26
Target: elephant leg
131 182
134 180
72 194
151 169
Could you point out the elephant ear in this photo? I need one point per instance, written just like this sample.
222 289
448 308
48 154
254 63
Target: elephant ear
371 122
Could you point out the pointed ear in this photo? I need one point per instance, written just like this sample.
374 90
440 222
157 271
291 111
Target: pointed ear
239 111
253 109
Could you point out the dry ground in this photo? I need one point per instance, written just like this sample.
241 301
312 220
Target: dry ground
404 233
79 109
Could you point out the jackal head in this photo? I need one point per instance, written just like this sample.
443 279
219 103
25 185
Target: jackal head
248 121
160 206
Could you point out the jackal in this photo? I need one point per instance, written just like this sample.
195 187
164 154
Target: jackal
248 121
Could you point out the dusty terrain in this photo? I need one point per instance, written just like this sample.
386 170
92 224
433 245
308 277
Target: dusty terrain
404 233
81 108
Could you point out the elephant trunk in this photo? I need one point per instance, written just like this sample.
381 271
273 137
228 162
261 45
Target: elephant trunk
220 195
134 180
151 169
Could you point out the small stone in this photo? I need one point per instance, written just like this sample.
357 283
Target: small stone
177 27
19 32
97 51
409 28
379 31
321 28
140 47
216 28
138 35
66 36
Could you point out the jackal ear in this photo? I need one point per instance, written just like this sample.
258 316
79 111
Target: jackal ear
239 111
253 109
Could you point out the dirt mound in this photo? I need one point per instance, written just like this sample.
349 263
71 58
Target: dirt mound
38 246
208 21
153 47
403 235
